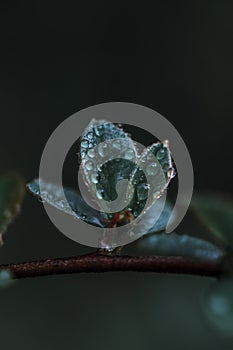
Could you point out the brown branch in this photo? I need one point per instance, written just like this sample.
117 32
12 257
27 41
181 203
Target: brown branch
97 262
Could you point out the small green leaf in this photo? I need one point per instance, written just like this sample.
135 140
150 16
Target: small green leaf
102 148
215 211
151 176
76 207
177 245
12 190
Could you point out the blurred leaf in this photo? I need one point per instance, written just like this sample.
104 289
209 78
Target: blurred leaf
12 190
218 305
177 245
6 278
76 207
215 211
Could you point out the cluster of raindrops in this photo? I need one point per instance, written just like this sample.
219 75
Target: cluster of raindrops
96 133
108 155
67 200
150 177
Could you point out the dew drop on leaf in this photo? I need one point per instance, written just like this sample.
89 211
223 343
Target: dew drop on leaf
83 154
103 149
116 144
89 165
85 144
142 191
99 194
91 153
94 178
129 154
160 154
98 130
90 136
152 169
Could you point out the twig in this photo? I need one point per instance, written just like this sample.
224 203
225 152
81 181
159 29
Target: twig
97 262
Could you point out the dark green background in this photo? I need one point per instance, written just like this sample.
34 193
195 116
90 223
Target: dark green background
59 57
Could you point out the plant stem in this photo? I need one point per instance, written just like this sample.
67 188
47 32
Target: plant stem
97 262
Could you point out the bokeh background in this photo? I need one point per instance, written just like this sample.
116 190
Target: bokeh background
59 57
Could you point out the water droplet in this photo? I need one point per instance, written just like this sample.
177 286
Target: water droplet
150 156
90 136
99 168
89 165
94 178
124 144
142 191
129 154
103 149
99 130
116 144
135 214
99 194
160 154
152 169
91 153
85 144
83 154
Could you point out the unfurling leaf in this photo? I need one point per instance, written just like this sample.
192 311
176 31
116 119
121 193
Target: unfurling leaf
75 206
148 174
12 190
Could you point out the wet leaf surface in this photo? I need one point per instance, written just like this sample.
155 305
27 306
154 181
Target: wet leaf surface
75 205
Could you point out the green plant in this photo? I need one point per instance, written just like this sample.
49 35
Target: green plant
210 254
